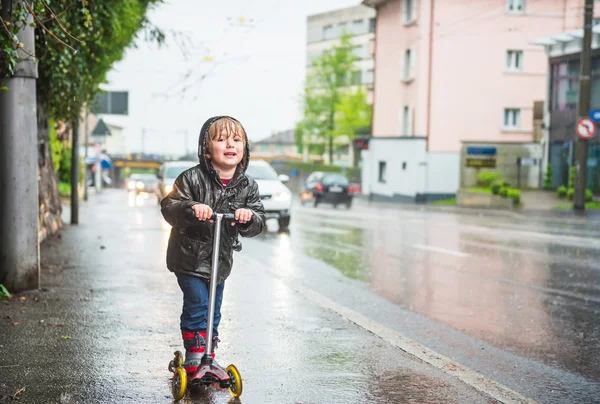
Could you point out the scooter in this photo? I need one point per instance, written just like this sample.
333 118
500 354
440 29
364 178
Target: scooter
209 372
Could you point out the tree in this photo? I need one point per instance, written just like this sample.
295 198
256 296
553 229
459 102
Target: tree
353 114
326 83
76 44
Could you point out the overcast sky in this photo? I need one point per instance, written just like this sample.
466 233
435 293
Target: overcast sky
256 75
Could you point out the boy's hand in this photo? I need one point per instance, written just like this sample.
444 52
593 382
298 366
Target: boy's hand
243 216
202 212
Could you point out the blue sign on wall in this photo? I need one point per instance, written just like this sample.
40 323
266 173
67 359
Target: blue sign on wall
486 151
595 115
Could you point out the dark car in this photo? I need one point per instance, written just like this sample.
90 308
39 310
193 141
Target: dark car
331 188
139 183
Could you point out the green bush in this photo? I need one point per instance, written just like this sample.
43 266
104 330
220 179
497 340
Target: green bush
570 194
515 195
64 189
561 191
548 178
572 177
503 192
496 185
486 178
589 196
64 167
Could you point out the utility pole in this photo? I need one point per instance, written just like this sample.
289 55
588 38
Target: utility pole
75 173
583 107
85 171
143 138
19 217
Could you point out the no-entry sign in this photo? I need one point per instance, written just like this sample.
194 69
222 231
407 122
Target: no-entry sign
585 128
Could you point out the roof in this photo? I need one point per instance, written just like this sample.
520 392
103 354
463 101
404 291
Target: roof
566 37
373 3
285 137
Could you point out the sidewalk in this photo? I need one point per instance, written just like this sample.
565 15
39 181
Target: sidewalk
106 323
536 204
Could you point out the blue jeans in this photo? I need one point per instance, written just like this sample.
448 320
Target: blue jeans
194 315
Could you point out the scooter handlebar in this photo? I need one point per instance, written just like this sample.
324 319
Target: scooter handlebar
189 213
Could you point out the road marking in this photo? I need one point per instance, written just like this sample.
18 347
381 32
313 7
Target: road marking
441 250
468 376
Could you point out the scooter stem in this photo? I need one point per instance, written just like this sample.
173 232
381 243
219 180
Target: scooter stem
213 289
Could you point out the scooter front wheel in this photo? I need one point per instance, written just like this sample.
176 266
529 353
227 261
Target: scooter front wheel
179 383
235 380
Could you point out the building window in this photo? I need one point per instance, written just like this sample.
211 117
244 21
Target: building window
512 118
371 24
369 76
328 32
409 11
514 60
515 6
358 27
360 51
408 65
356 78
565 84
382 169
407 121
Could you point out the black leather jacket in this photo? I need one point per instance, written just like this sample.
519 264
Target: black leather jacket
190 244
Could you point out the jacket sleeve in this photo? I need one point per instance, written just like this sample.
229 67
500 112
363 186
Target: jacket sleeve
255 226
173 206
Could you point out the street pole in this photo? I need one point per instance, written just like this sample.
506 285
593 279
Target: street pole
19 210
143 136
75 173
583 108
85 171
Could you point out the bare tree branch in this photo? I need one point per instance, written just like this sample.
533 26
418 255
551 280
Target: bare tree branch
46 29
16 41
60 25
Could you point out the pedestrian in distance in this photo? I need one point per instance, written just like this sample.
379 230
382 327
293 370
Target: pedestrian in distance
218 184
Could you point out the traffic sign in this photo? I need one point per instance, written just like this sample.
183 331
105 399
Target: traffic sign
595 115
585 128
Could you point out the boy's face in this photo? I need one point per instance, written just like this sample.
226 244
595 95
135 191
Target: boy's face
226 150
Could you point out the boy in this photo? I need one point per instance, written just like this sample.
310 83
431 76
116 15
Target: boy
217 184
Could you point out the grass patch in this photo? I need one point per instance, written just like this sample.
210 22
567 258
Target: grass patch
569 206
480 190
445 202
64 189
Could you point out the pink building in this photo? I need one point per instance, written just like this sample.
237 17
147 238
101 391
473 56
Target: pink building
450 72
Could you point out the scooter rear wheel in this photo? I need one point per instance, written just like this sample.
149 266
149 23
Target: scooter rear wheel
235 386
179 383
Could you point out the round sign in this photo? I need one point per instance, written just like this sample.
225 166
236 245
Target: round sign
585 128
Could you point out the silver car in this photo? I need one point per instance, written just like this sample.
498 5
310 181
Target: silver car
168 173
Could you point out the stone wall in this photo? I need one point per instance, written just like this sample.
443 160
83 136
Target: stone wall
480 200
50 208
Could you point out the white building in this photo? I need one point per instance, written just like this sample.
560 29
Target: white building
323 33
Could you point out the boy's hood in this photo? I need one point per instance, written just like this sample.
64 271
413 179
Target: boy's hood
202 139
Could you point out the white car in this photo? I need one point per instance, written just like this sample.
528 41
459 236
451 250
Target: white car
167 174
275 196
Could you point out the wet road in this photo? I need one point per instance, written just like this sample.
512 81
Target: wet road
107 322
523 293
318 315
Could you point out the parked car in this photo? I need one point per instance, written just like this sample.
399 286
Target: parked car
167 174
331 188
139 183
275 196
